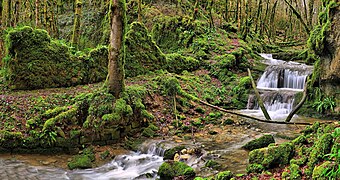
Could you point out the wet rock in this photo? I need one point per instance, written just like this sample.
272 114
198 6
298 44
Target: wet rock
170 170
170 153
271 157
261 142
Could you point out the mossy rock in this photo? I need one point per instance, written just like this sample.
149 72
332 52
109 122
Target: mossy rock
255 168
272 156
171 169
143 55
170 153
225 175
37 61
261 142
148 132
82 161
212 164
320 148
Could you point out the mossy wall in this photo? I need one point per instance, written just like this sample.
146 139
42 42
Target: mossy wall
34 61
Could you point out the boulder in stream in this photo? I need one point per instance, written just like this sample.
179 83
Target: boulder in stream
261 142
171 169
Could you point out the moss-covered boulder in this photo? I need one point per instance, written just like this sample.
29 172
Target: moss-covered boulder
142 55
82 161
34 60
261 142
272 156
320 148
171 169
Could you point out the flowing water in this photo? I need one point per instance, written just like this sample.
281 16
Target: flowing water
278 86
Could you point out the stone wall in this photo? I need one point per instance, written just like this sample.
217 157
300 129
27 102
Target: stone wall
330 59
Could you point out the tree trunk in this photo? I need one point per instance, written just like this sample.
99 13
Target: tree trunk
36 13
76 25
115 80
140 11
310 12
258 97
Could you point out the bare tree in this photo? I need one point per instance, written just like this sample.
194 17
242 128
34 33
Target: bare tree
115 79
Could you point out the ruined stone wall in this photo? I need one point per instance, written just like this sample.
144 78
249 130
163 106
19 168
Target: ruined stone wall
330 59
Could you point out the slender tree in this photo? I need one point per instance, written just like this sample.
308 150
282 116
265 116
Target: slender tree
76 25
139 10
36 13
115 79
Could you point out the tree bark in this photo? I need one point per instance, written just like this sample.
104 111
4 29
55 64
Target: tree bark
258 97
115 80
36 13
297 107
140 11
76 25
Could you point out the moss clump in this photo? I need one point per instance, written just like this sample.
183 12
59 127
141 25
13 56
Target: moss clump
177 63
83 160
143 54
255 168
170 153
148 132
36 61
319 149
169 170
212 164
272 156
225 175
261 142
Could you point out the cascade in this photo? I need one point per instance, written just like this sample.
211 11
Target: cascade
278 86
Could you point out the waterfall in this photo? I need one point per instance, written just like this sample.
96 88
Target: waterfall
278 86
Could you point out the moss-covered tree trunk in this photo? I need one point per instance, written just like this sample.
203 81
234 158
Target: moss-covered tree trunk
76 25
36 13
140 11
115 80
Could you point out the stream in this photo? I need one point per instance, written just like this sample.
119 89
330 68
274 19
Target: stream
278 85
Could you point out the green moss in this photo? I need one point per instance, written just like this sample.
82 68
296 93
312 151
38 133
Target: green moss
143 54
212 164
321 147
178 63
300 140
295 172
225 175
261 142
36 61
169 170
148 132
255 168
80 161
272 156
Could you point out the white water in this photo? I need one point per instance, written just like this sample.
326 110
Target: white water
283 78
136 165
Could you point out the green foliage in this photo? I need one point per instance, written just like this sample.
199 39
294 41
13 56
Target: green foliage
35 61
178 63
328 103
321 147
171 86
143 54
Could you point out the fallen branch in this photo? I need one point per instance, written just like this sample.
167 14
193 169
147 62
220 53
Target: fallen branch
250 117
258 97
297 107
